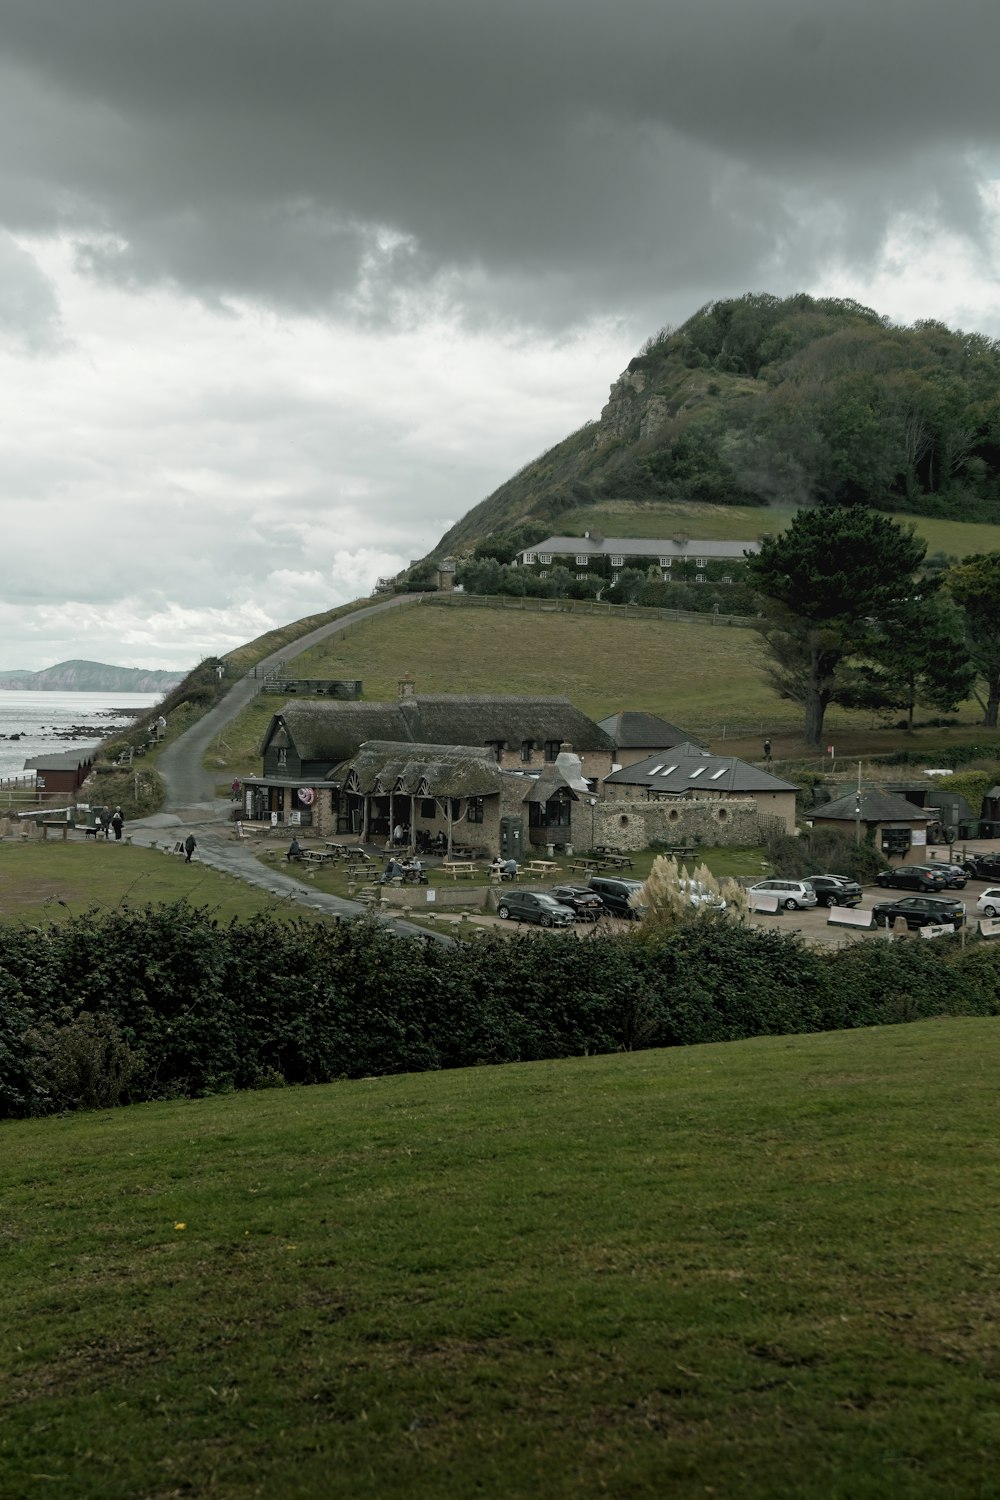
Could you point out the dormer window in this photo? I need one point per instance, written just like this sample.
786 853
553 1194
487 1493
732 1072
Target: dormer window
581 559
282 757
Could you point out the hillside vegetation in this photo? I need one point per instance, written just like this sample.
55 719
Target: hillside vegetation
749 1269
760 401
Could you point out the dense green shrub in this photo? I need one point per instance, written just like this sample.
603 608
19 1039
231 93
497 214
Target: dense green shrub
164 1001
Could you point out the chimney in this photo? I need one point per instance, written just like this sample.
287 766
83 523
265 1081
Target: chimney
407 686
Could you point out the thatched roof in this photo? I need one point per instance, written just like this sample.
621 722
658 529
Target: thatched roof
333 731
384 766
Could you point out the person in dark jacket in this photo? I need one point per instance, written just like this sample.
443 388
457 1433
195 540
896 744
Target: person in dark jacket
118 822
190 845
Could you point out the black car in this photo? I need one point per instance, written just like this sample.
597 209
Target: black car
586 903
835 890
920 911
983 866
912 878
956 877
535 906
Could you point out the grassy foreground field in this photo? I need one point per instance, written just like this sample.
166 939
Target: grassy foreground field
758 1269
46 881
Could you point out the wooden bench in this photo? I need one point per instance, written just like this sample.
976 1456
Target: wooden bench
60 826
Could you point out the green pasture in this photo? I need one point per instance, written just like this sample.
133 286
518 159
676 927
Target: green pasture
45 881
750 523
752 1269
708 678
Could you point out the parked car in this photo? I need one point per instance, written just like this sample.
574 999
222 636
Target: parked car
920 911
791 894
535 906
956 877
835 890
585 903
616 893
989 902
983 866
912 878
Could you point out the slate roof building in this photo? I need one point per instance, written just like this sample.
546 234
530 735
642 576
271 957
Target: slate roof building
687 772
637 734
896 825
666 552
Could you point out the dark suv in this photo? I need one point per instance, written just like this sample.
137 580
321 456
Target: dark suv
984 866
616 893
835 890
912 878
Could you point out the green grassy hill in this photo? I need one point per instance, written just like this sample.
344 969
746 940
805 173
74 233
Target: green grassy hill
755 1269
707 678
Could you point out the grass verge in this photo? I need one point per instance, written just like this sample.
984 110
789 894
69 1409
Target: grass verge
750 1269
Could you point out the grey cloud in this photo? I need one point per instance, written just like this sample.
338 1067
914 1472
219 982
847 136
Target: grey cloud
29 307
548 161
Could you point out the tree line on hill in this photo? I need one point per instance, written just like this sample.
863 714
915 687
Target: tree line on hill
760 400
164 1002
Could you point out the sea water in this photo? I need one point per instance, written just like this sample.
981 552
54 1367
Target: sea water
53 722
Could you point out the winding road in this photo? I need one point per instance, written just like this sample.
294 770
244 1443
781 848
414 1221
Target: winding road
192 806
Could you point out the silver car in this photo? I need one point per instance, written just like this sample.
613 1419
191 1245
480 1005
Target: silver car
791 894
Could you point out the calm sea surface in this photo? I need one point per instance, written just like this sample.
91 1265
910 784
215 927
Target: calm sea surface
59 721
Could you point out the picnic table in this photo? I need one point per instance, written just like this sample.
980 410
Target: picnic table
616 862
587 866
458 868
681 851
542 866
318 856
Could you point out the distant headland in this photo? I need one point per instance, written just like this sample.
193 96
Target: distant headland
91 677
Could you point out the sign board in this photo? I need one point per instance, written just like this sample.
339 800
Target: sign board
919 836
847 916
431 893
937 929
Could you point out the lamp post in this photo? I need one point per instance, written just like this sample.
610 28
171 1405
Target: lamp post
857 809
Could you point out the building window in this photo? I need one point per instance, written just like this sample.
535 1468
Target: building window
700 562
527 746
529 557
428 807
666 562
667 578
727 577
282 757
699 578
545 557
581 560
551 749
475 810
497 747
618 562
581 576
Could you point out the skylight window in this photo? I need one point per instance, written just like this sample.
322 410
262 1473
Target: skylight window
716 774
656 771
696 772
668 772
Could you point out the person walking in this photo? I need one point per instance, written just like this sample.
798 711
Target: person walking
106 822
190 845
118 822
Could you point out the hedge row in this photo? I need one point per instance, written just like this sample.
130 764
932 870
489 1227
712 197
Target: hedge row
165 1001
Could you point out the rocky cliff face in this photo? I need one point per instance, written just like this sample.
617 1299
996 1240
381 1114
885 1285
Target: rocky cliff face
91 677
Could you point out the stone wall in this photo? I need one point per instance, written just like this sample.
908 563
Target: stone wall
636 825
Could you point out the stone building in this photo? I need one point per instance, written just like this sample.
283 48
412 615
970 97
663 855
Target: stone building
689 773
637 735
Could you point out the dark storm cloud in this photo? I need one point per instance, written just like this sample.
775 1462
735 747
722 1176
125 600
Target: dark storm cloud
556 157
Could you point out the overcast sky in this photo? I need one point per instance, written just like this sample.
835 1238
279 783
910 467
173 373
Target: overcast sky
287 286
